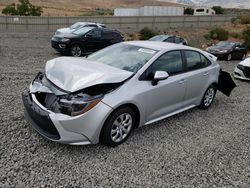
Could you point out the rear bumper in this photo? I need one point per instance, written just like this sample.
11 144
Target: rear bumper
78 130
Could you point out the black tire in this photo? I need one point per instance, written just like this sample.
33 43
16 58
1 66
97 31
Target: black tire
76 50
109 127
243 56
206 102
229 57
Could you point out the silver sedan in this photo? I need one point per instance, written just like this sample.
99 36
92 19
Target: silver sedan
102 98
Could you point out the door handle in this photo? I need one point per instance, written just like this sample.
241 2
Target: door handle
205 74
182 81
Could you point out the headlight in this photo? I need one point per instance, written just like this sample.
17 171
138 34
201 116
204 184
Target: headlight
241 67
64 40
223 51
79 104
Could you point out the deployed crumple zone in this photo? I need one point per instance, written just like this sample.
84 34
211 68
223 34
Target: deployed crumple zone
58 100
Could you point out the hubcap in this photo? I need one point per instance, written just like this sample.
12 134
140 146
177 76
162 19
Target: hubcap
209 97
76 51
229 57
121 127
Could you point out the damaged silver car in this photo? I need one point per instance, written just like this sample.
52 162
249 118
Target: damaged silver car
102 98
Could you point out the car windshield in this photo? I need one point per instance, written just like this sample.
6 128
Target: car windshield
124 56
82 31
225 44
158 38
77 25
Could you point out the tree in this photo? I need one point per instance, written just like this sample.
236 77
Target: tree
10 10
188 11
218 9
246 37
25 8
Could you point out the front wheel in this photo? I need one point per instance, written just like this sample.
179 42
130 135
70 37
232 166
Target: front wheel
76 50
118 127
243 56
208 97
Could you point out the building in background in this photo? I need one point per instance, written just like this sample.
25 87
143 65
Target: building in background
150 11
200 11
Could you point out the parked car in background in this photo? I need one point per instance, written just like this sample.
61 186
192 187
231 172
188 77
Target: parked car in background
242 70
85 40
102 98
78 25
228 50
169 38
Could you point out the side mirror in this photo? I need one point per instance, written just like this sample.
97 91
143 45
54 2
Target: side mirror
88 35
237 48
159 75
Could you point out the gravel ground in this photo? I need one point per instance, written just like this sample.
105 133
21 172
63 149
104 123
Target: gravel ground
193 149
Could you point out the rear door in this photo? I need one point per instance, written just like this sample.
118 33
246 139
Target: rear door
197 74
93 40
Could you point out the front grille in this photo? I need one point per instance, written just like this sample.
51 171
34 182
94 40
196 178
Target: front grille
246 72
39 118
54 44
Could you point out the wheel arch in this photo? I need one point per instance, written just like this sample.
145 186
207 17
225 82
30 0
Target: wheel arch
130 105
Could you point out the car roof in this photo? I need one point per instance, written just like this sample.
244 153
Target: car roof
160 45
86 23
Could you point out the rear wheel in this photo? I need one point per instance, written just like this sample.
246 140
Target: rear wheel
76 50
208 97
229 57
118 127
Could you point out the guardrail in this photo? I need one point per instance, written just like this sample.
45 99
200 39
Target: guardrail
128 24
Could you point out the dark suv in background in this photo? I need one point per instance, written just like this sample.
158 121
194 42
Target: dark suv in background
85 40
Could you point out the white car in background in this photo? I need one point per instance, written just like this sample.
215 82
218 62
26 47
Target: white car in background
242 70
78 25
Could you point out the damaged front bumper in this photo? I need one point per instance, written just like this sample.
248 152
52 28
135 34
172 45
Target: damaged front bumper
242 72
76 130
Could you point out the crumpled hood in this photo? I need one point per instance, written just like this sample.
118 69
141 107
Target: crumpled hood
246 62
72 73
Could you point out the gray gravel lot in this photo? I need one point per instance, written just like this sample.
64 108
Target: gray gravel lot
193 149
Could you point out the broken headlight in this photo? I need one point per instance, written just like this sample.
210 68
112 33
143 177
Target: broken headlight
241 67
80 103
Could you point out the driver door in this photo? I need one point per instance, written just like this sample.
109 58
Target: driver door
167 96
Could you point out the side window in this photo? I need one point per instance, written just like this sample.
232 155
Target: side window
91 25
171 62
205 61
95 34
195 60
169 39
178 40
107 35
